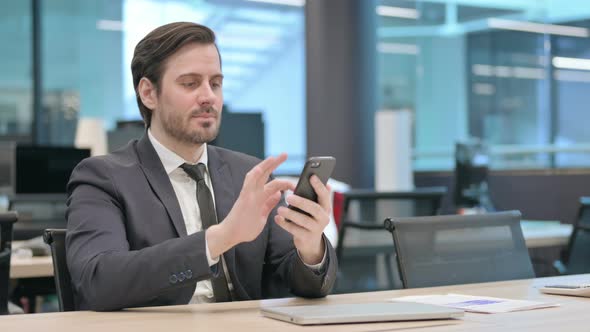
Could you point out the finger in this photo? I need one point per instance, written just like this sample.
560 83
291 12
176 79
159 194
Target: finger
270 203
278 185
252 177
298 218
323 194
271 168
306 205
290 227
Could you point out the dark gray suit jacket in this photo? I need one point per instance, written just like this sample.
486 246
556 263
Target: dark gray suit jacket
127 243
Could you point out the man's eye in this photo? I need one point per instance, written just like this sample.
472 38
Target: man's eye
188 84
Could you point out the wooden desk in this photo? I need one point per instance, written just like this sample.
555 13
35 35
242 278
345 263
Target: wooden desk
34 267
245 316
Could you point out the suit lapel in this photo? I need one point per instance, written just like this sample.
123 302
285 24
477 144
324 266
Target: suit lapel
160 182
225 197
222 183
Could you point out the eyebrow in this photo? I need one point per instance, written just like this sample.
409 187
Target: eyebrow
199 75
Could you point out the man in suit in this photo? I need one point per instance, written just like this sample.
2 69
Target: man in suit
169 219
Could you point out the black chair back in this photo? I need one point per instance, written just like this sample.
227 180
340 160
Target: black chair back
7 219
460 249
56 239
577 257
364 246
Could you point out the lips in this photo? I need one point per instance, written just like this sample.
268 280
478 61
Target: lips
204 116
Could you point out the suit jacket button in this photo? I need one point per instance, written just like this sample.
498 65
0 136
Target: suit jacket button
189 274
181 276
173 279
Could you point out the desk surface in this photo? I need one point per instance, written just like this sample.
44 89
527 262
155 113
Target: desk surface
33 267
539 234
245 316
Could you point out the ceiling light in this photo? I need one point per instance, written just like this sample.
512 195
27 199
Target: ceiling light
401 12
294 3
398 48
109 25
571 63
553 29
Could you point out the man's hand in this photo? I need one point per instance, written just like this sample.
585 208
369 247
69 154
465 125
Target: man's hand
248 216
307 230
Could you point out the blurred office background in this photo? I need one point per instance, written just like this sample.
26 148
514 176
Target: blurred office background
309 78
463 68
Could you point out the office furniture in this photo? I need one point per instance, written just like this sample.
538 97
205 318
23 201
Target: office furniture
243 132
543 234
450 250
471 176
123 133
361 232
31 267
419 202
577 255
7 219
56 238
537 234
571 315
37 212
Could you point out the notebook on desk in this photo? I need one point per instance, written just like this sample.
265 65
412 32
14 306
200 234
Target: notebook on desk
359 313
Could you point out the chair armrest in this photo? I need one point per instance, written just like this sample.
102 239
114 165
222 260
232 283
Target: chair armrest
559 267
5 256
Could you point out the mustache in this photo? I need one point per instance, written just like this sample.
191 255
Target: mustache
204 110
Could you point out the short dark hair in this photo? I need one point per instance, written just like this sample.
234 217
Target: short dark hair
152 51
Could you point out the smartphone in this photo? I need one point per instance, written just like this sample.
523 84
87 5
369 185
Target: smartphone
320 166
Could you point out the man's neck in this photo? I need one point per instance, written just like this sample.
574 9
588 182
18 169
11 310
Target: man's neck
189 152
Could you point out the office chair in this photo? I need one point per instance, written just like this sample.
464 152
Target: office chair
7 219
363 212
56 239
460 249
577 255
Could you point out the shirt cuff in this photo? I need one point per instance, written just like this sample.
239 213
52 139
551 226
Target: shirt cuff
316 267
210 260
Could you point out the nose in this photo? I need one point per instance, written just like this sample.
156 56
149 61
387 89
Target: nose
205 96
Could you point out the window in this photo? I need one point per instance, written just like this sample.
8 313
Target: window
87 48
513 73
16 113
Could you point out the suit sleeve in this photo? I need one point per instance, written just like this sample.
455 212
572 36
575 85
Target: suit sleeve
105 272
286 264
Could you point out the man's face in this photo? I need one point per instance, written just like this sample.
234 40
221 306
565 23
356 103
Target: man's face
190 98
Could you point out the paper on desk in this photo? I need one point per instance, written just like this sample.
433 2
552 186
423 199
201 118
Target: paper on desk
481 304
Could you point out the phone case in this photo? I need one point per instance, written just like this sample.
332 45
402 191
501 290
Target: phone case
320 166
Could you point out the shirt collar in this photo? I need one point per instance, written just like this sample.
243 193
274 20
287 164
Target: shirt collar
170 159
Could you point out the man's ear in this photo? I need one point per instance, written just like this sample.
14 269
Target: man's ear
148 93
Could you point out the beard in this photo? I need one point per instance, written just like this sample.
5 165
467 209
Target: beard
178 127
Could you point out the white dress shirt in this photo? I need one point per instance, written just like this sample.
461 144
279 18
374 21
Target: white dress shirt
185 189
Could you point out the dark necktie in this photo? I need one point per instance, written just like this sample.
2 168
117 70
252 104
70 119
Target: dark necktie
208 218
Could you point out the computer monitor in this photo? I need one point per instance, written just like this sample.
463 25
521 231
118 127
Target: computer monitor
45 169
471 175
243 132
